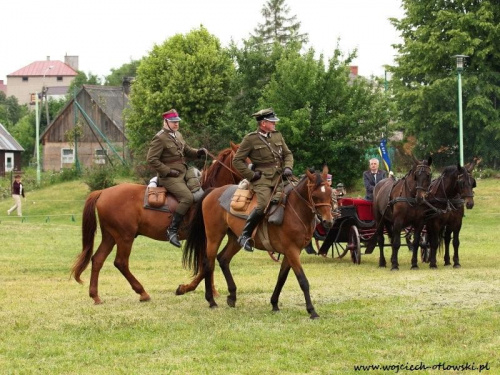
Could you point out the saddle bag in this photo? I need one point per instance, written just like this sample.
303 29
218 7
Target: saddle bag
241 199
156 196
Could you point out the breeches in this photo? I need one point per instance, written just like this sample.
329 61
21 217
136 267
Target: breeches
177 186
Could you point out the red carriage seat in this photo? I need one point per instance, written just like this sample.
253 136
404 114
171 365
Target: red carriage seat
363 207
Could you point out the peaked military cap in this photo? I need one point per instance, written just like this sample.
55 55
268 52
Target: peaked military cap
266 114
171 115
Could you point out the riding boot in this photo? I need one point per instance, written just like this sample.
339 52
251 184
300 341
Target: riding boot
310 249
173 228
245 240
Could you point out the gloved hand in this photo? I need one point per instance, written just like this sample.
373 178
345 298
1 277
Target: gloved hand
173 173
287 172
201 152
256 176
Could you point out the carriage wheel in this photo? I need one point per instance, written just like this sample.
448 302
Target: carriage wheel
354 245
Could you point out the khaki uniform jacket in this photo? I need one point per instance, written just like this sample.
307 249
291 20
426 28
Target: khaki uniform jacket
166 152
269 155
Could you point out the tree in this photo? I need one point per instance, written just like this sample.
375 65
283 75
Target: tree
190 73
425 80
80 80
326 117
117 75
10 110
277 27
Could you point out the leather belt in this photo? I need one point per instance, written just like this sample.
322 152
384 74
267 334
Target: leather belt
181 160
276 164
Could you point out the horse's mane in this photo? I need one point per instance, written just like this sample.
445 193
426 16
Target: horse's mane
211 172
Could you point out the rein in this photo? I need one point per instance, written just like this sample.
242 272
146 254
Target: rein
230 169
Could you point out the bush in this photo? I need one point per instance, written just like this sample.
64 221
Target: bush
99 177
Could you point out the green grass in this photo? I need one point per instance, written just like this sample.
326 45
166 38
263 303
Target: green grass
49 325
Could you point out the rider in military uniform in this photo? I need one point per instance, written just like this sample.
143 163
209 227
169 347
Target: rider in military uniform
166 155
270 158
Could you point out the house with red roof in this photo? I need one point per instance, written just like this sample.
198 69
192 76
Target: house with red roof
49 75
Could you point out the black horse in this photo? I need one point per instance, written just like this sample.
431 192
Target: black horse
397 205
448 194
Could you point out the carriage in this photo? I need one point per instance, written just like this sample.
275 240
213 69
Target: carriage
354 228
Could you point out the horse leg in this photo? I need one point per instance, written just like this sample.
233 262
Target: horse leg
433 235
98 259
396 244
381 243
282 276
294 260
224 258
124 247
213 243
447 240
416 244
456 245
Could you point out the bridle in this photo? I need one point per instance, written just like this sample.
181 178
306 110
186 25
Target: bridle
421 168
233 172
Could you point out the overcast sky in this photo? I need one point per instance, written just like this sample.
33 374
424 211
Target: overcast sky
106 34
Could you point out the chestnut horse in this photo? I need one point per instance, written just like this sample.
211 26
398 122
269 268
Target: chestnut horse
397 205
122 218
448 193
311 198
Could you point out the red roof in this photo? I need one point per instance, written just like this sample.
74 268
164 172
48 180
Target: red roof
39 68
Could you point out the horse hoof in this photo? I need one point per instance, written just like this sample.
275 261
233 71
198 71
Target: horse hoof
314 316
213 306
180 290
145 298
231 302
414 268
457 266
97 301
276 308
447 264
433 267
382 266
395 269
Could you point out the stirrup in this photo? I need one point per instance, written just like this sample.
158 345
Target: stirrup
246 243
174 239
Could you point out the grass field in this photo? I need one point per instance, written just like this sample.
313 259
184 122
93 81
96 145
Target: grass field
369 316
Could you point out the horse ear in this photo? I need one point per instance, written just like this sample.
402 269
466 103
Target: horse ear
234 146
325 170
310 173
429 161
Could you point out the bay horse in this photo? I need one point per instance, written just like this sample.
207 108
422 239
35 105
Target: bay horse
397 205
449 193
122 218
311 198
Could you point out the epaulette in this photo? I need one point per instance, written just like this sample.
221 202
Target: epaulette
160 132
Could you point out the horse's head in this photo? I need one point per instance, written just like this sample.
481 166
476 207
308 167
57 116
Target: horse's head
222 172
320 197
466 184
421 175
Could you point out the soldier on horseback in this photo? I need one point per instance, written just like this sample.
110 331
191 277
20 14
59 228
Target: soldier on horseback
270 158
166 155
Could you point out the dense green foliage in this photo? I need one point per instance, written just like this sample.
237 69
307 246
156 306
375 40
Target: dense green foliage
326 116
117 75
191 73
10 110
425 80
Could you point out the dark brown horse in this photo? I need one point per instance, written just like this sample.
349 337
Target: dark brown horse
449 193
397 205
122 218
309 199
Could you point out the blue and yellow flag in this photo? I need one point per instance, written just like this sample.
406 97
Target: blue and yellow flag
382 149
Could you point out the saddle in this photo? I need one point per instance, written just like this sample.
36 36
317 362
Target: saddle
158 199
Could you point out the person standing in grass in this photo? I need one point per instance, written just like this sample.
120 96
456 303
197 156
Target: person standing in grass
17 192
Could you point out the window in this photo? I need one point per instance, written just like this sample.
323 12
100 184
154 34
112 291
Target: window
67 156
9 161
100 156
59 78
25 79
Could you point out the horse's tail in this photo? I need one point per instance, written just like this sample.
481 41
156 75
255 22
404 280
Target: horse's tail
441 239
89 226
195 246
